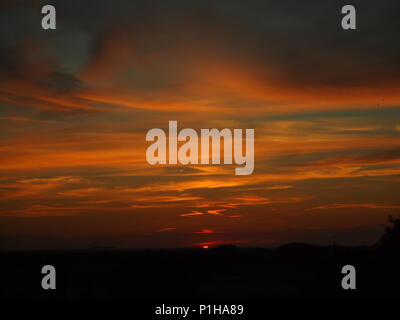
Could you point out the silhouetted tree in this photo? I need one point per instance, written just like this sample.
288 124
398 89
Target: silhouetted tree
390 241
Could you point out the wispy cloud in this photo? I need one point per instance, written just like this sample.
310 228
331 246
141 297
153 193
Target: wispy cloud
356 205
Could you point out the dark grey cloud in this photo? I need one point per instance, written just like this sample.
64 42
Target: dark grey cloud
303 40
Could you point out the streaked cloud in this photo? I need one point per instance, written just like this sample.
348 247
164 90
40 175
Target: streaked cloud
356 205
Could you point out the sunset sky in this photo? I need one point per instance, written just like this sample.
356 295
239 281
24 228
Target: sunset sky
76 104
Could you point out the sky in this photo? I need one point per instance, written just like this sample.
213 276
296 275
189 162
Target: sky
76 104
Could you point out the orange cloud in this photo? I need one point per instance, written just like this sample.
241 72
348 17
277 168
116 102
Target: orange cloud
218 212
205 231
192 213
356 205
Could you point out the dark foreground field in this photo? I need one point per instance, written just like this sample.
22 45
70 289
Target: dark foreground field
295 271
